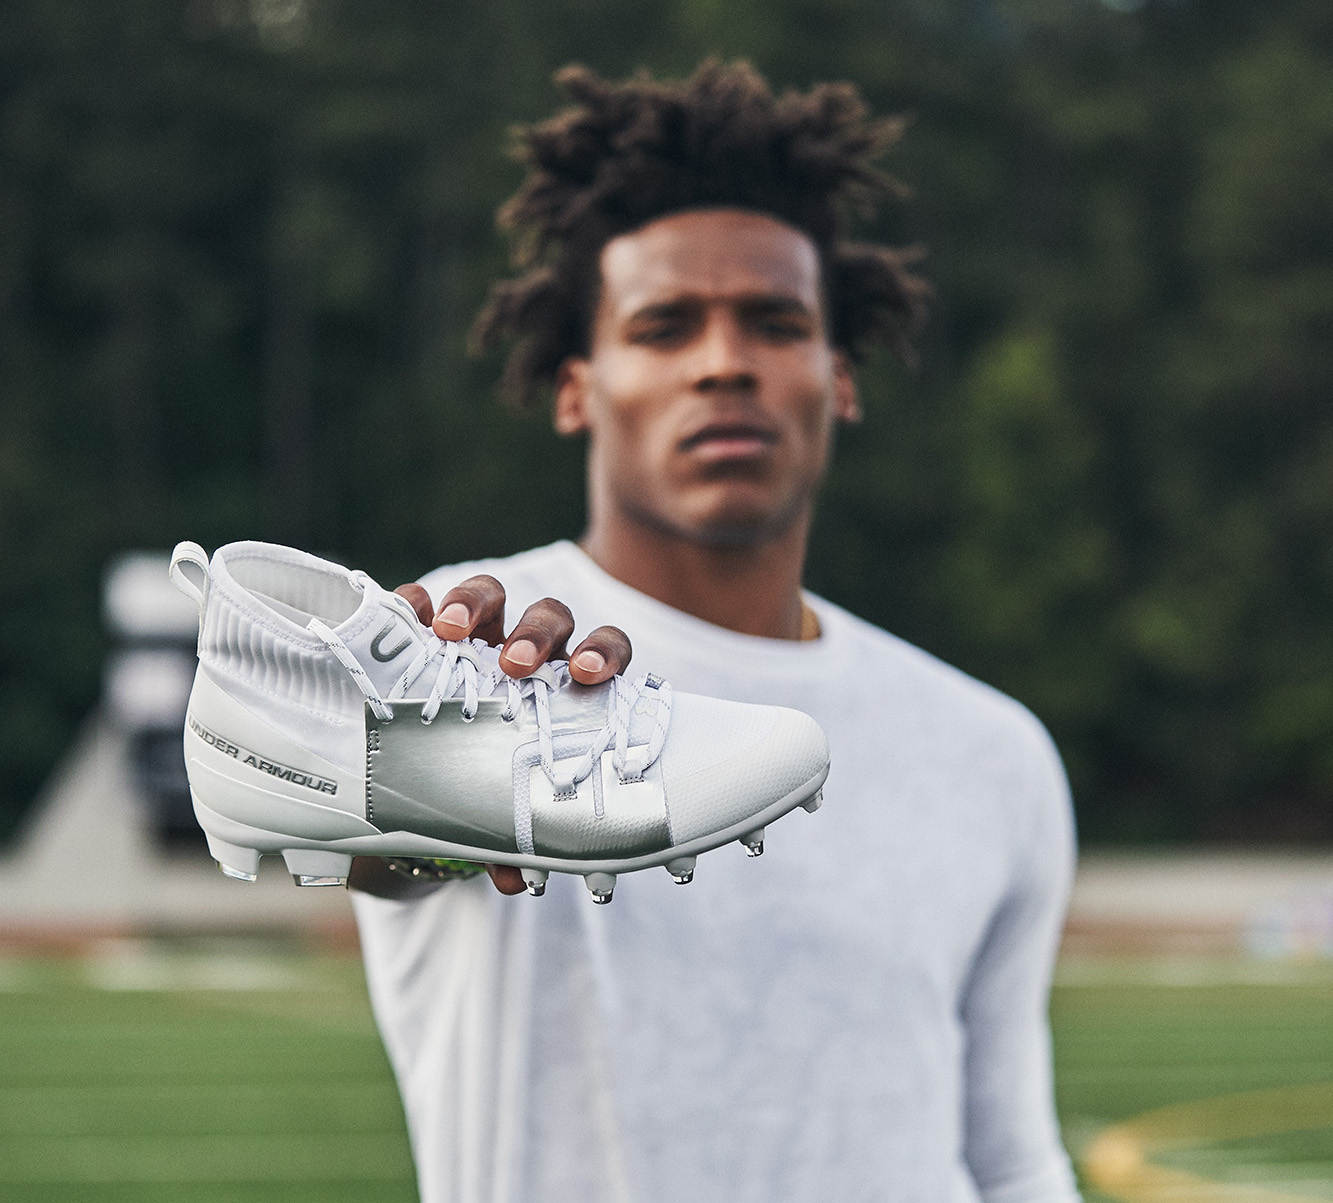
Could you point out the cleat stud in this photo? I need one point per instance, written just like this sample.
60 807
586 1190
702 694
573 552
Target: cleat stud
240 864
314 867
814 803
535 880
681 870
601 886
754 843
235 874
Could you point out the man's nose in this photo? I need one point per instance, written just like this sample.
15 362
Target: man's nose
724 356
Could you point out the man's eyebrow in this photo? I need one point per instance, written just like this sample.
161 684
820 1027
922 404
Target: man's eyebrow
765 302
778 302
664 309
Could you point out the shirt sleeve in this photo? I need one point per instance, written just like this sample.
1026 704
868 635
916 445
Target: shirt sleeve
1011 1137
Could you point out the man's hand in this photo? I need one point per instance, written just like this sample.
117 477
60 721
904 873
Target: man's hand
476 610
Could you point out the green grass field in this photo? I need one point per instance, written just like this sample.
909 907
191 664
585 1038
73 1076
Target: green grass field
219 1073
133 1078
1221 1071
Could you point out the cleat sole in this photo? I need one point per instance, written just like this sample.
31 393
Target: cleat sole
239 846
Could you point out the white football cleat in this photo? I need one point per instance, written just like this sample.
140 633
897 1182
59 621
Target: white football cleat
326 722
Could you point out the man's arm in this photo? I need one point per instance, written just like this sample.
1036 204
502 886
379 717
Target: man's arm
476 609
1012 1139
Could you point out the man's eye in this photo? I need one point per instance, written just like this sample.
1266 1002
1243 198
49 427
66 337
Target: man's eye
659 333
783 330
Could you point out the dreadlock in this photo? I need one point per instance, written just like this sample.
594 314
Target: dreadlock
627 153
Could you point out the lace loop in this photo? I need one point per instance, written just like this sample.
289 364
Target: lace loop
382 710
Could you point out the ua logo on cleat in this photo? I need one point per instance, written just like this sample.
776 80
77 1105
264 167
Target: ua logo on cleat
382 656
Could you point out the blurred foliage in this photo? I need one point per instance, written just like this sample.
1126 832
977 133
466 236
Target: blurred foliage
243 241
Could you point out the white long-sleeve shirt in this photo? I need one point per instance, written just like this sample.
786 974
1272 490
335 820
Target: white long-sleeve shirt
859 1014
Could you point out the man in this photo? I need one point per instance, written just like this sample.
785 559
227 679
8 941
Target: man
862 1013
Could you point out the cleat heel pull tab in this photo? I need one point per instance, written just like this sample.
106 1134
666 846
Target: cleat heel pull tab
314 867
535 880
813 804
754 843
681 870
189 573
601 886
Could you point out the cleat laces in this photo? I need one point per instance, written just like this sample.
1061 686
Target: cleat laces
460 671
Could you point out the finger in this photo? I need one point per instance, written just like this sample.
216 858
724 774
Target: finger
474 608
420 600
541 635
507 879
600 656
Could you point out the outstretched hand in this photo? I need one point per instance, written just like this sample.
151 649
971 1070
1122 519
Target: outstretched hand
475 609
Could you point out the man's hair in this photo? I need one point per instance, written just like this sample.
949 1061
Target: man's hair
630 152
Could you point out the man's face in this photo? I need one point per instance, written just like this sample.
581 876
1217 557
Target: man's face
710 390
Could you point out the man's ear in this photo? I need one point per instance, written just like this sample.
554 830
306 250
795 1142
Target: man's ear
846 398
570 415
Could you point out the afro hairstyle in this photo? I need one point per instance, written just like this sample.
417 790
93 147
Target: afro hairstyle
627 153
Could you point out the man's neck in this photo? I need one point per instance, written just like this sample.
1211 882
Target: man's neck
755 590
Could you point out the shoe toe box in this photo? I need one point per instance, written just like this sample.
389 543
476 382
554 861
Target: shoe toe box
726 762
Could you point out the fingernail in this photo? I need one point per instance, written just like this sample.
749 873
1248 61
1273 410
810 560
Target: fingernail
590 661
523 653
455 614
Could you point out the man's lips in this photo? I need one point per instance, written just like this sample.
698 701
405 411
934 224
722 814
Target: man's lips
730 440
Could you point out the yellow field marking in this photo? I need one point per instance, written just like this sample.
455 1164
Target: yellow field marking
1117 1162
